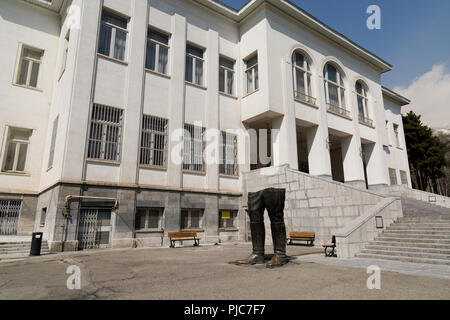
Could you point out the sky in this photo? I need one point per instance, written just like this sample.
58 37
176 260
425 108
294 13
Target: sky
414 38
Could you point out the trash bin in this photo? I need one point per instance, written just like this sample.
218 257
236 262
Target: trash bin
36 243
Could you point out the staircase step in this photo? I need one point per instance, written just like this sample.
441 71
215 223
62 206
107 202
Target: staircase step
403 259
411 254
412 239
415 235
423 220
419 228
410 244
418 232
408 249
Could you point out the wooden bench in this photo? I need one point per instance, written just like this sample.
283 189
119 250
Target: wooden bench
330 247
183 236
302 236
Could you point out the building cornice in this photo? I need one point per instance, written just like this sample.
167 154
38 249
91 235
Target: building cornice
395 96
302 16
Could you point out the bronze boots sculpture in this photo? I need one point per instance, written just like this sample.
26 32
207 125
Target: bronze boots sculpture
272 200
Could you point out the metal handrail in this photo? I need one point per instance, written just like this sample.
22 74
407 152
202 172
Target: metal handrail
338 110
305 98
365 120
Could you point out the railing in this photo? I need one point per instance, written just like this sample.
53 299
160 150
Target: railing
305 98
338 110
366 121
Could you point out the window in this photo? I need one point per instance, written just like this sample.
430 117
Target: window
251 73
228 154
335 90
194 146
226 76
388 135
302 78
30 62
191 219
53 143
16 150
154 142
113 36
393 176
149 218
65 53
227 219
43 217
194 65
157 52
397 136
9 216
403 177
105 133
363 102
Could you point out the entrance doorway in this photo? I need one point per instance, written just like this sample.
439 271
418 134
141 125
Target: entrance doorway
94 228
337 166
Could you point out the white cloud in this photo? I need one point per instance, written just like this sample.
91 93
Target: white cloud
430 97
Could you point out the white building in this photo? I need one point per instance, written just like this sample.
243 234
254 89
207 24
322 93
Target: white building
93 95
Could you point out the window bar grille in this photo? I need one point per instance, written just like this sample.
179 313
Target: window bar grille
105 134
154 141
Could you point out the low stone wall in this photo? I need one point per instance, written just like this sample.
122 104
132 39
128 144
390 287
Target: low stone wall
354 236
404 191
313 203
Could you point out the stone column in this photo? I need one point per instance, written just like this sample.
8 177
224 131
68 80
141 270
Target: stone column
212 111
317 139
176 101
352 161
82 88
134 92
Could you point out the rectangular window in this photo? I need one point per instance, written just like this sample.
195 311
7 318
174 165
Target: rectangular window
149 218
113 36
16 150
194 146
403 177
194 65
226 76
157 52
65 53
43 217
388 136
393 176
228 154
154 142
397 136
29 65
227 219
191 219
105 133
251 73
53 143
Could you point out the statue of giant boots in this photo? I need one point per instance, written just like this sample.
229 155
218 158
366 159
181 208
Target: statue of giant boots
272 200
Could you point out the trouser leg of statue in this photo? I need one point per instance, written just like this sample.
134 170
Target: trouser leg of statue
272 200
257 228
275 200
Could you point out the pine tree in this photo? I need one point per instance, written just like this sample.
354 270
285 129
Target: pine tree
427 154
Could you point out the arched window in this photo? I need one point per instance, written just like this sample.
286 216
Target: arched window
361 94
302 78
334 88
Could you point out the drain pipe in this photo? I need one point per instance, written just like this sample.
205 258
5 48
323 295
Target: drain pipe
67 215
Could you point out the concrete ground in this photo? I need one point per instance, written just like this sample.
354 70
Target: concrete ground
204 273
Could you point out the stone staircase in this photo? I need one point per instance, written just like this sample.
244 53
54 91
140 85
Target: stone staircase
11 250
421 236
